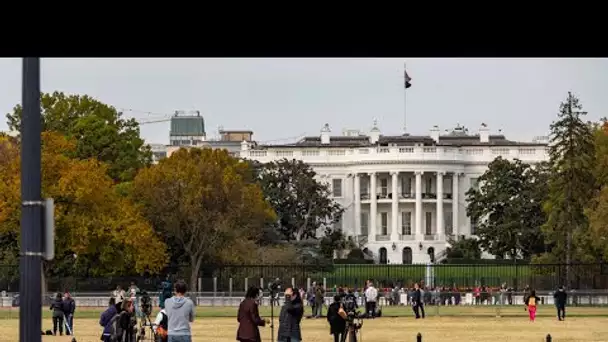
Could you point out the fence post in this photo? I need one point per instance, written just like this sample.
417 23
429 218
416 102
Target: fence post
549 339
200 285
246 284
325 284
293 282
214 291
307 284
419 337
230 287
262 288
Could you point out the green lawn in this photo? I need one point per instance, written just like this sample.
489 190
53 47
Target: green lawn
395 311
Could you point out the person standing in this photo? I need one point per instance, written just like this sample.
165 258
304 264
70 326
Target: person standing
290 317
319 293
561 297
180 313
249 318
58 314
119 297
106 317
532 303
160 326
69 307
134 293
166 292
417 304
337 324
371 296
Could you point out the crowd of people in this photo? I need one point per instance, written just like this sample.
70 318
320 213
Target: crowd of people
173 322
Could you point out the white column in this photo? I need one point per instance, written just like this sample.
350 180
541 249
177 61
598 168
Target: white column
455 204
373 207
395 208
418 214
440 224
357 195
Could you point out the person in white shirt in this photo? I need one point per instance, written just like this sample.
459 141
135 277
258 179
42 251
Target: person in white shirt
371 296
161 322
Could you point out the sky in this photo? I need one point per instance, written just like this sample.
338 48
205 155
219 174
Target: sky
281 100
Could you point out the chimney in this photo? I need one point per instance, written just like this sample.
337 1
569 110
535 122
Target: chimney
484 133
325 134
374 134
435 133
244 146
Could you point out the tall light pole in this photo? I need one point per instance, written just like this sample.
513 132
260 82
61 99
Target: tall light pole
30 267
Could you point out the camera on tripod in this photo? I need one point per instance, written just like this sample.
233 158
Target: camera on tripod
146 304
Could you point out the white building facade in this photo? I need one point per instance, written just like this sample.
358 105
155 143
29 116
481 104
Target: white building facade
404 196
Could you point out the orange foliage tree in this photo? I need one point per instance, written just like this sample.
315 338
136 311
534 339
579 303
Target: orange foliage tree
207 203
92 221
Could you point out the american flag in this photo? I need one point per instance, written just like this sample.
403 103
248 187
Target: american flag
408 79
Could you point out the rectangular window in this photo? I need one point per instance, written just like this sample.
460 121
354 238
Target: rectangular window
406 223
383 187
384 223
364 223
406 186
428 222
429 185
448 223
337 187
364 187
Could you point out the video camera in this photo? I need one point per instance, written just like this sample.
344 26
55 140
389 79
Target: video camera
275 286
146 304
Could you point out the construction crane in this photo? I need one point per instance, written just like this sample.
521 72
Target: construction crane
164 117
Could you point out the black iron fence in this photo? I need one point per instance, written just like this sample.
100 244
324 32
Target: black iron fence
226 277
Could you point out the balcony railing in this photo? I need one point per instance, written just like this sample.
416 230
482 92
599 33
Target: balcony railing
406 237
431 237
429 195
404 195
383 237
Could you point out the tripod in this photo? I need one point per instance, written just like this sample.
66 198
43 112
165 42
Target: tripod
350 332
272 295
146 322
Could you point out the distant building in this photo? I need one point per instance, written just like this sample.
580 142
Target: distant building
159 151
187 129
404 195
229 140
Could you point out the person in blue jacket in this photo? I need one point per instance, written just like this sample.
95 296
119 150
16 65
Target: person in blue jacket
166 292
105 319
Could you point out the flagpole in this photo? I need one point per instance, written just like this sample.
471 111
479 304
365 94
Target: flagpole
404 100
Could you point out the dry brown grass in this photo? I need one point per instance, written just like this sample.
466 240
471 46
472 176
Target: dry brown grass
457 329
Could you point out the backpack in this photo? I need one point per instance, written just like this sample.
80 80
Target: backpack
116 331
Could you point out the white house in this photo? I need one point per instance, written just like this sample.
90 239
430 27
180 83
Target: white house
404 195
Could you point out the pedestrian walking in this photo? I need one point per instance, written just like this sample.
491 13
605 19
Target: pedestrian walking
417 304
531 304
69 308
561 297
58 314
371 296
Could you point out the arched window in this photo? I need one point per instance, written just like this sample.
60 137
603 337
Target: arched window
431 253
383 256
407 256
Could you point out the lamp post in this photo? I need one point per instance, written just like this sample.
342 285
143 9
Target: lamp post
30 263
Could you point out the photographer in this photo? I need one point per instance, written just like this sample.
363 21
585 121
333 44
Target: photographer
337 323
275 289
290 317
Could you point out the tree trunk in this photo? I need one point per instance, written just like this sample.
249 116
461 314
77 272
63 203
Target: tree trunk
194 271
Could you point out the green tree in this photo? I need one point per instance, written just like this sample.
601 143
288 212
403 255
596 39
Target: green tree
205 202
464 249
571 184
99 130
106 231
302 204
597 213
508 207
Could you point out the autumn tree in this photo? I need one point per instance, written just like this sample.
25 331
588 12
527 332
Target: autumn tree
302 204
571 185
205 201
92 221
597 211
99 130
508 207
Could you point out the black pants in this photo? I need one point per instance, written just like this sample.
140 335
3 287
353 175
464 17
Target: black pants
370 309
418 309
337 337
561 311
57 322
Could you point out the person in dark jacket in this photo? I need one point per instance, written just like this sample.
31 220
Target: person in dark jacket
560 296
57 308
166 292
249 318
69 307
128 320
105 318
337 324
417 304
290 317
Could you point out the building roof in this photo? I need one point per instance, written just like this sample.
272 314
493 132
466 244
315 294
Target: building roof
456 140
